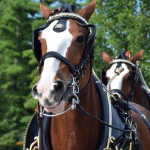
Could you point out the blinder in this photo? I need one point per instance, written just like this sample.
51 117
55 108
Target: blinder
36 45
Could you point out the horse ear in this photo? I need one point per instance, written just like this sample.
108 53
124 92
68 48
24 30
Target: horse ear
106 58
45 11
136 56
88 10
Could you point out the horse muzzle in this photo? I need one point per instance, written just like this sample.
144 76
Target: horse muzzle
49 97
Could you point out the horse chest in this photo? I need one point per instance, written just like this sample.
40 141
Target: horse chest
72 134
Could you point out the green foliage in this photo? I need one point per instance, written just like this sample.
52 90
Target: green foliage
16 70
121 26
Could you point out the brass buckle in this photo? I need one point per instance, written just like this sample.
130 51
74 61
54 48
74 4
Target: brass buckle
110 140
34 145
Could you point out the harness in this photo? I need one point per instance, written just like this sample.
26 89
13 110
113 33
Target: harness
123 135
119 61
137 76
122 108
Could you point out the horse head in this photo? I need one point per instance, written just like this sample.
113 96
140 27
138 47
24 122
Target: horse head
125 80
63 48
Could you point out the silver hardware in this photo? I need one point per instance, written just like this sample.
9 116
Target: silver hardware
119 70
59 26
75 88
75 99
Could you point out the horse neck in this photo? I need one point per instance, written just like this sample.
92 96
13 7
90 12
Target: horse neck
69 130
139 96
89 98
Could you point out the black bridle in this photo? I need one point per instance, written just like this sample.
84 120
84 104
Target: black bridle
79 70
66 13
119 61
134 67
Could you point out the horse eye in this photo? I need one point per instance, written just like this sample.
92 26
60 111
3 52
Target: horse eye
80 39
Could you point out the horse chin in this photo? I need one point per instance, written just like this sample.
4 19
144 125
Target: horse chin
60 107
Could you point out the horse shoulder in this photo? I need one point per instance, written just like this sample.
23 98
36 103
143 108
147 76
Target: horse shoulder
142 129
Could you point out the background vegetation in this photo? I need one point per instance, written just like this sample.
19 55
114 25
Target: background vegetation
122 25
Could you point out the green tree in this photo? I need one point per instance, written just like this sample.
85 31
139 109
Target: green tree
17 63
122 25
18 67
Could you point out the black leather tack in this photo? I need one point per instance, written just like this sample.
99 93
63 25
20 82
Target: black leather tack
60 26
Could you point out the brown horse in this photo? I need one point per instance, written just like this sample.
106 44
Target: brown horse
64 50
129 83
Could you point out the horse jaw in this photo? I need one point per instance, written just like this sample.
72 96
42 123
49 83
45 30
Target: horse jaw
58 109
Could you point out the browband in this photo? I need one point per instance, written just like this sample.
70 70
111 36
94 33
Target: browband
68 15
122 61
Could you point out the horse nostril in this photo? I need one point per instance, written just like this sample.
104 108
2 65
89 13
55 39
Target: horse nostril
59 86
47 102
35 93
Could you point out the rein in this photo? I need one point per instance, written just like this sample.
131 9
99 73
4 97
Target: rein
101 121
76 101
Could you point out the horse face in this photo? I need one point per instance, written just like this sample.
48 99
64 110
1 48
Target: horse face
123 81
55 79
54 86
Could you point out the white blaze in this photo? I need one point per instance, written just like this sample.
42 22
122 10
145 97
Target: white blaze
58 42
117 82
